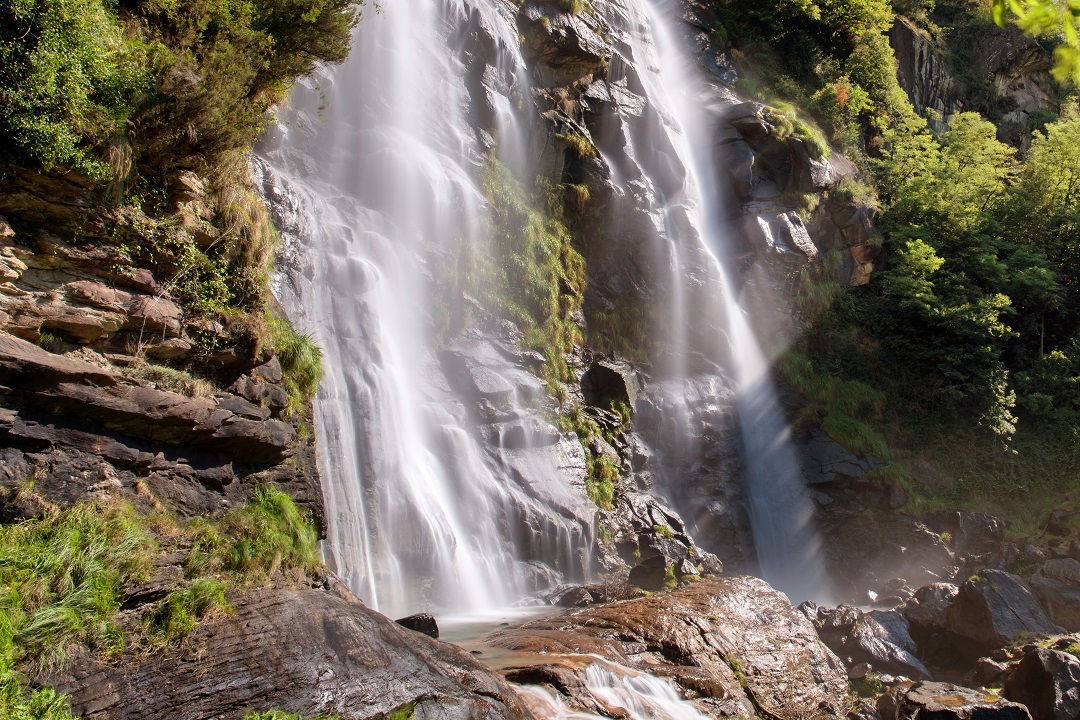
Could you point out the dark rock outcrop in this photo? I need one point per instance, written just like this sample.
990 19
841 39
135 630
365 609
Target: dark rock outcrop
1048 683
421 623
304 651
992 609
1057 585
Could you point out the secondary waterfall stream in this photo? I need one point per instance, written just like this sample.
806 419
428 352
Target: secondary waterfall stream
373 177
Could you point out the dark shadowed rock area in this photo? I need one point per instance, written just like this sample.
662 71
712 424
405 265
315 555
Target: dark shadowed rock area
312 652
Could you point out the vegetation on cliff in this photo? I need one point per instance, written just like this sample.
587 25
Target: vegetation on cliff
967 334
65 577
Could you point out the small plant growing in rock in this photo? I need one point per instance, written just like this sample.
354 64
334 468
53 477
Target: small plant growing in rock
577 142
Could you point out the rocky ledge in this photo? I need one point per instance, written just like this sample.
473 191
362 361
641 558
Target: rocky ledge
311 651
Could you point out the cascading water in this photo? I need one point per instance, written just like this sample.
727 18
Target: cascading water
371 200
693 218
641 696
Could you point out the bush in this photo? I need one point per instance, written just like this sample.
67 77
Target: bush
69 82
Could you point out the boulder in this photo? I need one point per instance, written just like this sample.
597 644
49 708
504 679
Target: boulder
1057 585
302 651
651 573
1048 683
883 640
944 701
421 623
991 609
925 613
609 380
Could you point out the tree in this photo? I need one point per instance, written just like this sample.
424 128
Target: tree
1049 17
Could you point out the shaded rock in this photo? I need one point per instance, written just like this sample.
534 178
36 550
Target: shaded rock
944 701
651 573
925 613
1057 585
609 380
303 651
421 623
1048 683
992 609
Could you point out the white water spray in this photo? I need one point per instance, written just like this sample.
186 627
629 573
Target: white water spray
370 200
781 513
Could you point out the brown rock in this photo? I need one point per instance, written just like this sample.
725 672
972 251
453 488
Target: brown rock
302 651
944 701
696 635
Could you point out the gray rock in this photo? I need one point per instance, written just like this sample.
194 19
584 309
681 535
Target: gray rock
1057 585
992 609
883 640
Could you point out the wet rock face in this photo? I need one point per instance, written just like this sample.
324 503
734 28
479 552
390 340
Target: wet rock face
1057 585
943 701
733 645
310 652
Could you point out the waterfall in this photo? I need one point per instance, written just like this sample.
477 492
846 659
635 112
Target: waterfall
641 696
705 306
454 499
372 177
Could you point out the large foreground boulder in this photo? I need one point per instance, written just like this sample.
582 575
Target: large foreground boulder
944 701
1048 683
304 651
734 645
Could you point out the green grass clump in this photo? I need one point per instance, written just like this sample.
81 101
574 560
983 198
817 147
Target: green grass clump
300 358
60 579
785 122
867 688
581 145
600 482
282 715
171 379
535 276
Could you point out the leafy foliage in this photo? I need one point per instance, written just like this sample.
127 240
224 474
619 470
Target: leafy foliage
1049 17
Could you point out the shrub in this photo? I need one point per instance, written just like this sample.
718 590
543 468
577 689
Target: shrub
69 81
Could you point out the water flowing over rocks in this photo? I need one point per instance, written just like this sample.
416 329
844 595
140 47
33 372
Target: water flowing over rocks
732 645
